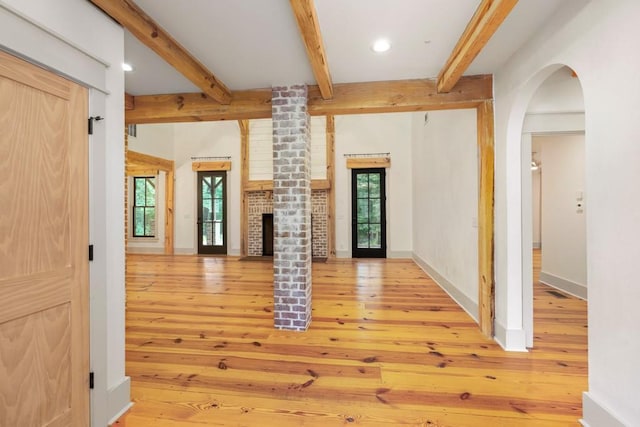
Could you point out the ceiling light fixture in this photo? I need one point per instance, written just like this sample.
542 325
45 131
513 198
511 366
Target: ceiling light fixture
381 45
127 67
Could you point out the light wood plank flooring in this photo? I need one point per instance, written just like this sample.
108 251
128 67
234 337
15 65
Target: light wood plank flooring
387 347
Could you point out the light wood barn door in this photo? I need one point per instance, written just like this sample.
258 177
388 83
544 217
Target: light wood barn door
44 317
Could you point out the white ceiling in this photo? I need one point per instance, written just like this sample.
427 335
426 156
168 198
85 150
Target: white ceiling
252 44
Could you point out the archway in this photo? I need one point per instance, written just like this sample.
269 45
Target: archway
554 115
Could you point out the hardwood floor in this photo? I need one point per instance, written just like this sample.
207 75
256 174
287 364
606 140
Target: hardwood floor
387 347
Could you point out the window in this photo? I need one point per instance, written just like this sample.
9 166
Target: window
144 206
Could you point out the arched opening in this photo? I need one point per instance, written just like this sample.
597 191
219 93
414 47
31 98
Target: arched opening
553 195
546 205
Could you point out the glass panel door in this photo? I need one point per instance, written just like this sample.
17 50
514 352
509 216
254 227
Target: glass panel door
368 214
212 213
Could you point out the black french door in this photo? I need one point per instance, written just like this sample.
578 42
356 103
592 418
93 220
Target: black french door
212 212
368 213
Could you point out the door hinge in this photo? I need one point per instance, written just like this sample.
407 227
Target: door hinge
91 384
90 252
91 120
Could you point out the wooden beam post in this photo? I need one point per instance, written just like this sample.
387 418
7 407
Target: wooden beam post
484 23
169 179
141 25
486 299
307 19
331 192
244 178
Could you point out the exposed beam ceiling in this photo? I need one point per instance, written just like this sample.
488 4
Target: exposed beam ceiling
307 19
349 98
141 25
484 23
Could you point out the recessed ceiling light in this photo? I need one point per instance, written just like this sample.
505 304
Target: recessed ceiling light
127 67
381 45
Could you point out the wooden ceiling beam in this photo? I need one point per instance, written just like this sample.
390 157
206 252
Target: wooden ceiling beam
349 98
197 107
307 19
399 96
484 23
145 29
129 101
141 160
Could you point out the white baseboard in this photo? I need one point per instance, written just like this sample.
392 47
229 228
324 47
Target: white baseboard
467 304
400 254
184 251
390 254
594 414
510 339
575 289
144 250
119 399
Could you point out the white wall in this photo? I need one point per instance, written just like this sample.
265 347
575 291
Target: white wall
445 201
560 93
596 41
201 140
79 25
154 139
376 133
563 224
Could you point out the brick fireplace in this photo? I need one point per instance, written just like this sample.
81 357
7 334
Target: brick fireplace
261 202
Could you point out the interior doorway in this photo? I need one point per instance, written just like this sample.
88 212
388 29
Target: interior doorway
212 212
553 194
368 213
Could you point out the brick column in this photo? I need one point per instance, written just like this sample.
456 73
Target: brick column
291 208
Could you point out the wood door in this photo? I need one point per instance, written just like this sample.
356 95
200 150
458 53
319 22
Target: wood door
212 212
368 213
44 304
